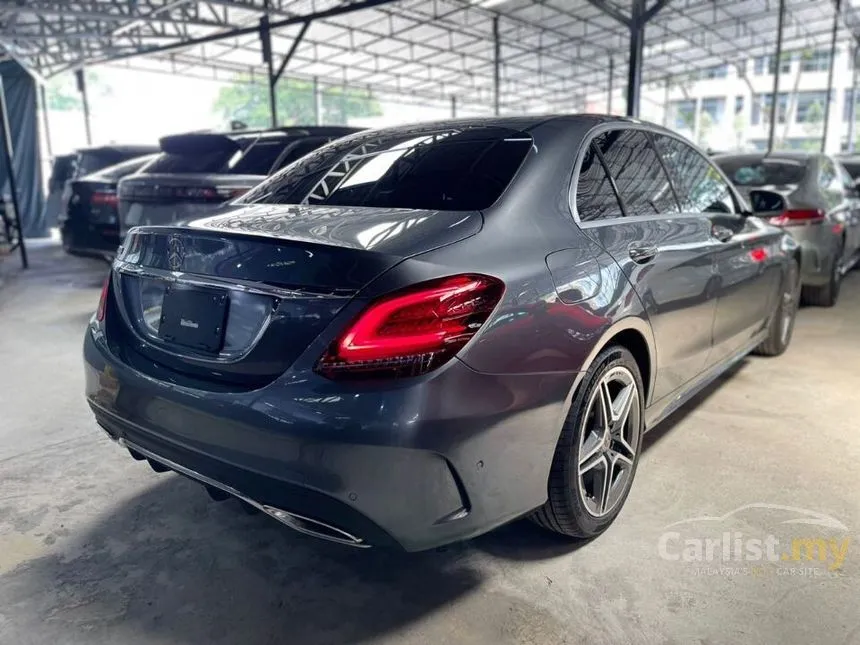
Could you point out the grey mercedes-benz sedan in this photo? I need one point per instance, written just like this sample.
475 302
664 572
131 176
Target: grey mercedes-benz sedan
819 206
413 335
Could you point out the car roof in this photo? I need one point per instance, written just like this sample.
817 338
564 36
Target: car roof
521 123
788 155
122 149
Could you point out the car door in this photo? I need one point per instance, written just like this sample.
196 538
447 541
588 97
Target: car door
625 202
743 247
852 220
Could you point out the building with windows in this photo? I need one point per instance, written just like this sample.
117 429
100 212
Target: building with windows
728 107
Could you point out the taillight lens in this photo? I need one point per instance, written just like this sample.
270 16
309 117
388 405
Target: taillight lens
104 198
413 331
797 217
100 312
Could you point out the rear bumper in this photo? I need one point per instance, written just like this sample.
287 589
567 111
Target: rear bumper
90 240
818 251
416 466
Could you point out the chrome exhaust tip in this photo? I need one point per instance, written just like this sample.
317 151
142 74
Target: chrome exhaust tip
218 491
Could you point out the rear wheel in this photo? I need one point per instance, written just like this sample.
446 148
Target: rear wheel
781 325
596 456
828 294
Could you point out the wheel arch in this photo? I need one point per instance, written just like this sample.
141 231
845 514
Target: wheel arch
634 334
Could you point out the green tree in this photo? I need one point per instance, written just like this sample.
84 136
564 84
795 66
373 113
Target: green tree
249 103
61 92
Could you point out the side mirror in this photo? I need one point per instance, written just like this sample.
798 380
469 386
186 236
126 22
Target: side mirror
766 201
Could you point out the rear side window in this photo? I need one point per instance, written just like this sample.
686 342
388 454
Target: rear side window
595 196
117 172
632 162
758 172
453 169
90 162
699 185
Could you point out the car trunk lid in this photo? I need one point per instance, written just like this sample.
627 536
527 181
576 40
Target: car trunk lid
235 299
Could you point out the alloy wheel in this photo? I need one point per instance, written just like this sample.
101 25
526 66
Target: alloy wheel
609 441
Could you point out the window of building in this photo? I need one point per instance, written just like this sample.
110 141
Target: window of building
817 60
761 108
767 64
739 104
846 105
715 108
715 71
682 114
811 107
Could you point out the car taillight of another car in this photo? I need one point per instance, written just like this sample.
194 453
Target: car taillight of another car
104 198
798 217
100 311
413 331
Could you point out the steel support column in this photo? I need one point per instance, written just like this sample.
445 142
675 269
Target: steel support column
453 107
81 80
14 237
266 46
46 125
634 64
609 85
830 76
852 119
317 102
497 50
774 103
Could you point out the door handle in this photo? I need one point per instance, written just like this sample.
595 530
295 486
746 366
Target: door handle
722 233
642 253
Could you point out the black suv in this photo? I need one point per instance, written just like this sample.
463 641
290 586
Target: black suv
197 172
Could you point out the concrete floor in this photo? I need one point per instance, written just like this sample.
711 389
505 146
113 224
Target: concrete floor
96 548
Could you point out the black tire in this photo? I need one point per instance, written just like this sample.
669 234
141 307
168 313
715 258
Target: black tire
825 295
781 326
566 510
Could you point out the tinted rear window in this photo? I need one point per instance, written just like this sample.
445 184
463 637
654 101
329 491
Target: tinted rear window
449 169
763 172
90 162
853 168
114 173
212 161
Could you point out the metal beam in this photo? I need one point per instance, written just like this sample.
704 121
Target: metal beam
830 76
611 11
609 85
497 54
852 119
292 51
774 107
655 9
81 81
634 62
266 46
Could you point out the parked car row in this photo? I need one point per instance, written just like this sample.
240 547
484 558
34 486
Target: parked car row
186 176
813 197
413 335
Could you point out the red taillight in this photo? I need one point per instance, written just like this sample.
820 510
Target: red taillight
413 331
100 312
102 198
797 217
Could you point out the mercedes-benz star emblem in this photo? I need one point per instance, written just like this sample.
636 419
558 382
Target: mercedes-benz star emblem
175 252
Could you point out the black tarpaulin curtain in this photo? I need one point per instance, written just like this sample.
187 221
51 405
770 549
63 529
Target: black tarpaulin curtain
20 89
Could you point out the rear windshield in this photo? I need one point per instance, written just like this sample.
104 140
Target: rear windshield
451 169
248 156
120 170
90 162
763 172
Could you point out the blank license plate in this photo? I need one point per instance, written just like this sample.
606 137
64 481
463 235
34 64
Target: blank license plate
194 317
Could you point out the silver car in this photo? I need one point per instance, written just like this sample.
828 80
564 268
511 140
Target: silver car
814 198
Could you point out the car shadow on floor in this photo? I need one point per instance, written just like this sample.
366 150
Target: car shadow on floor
175 567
